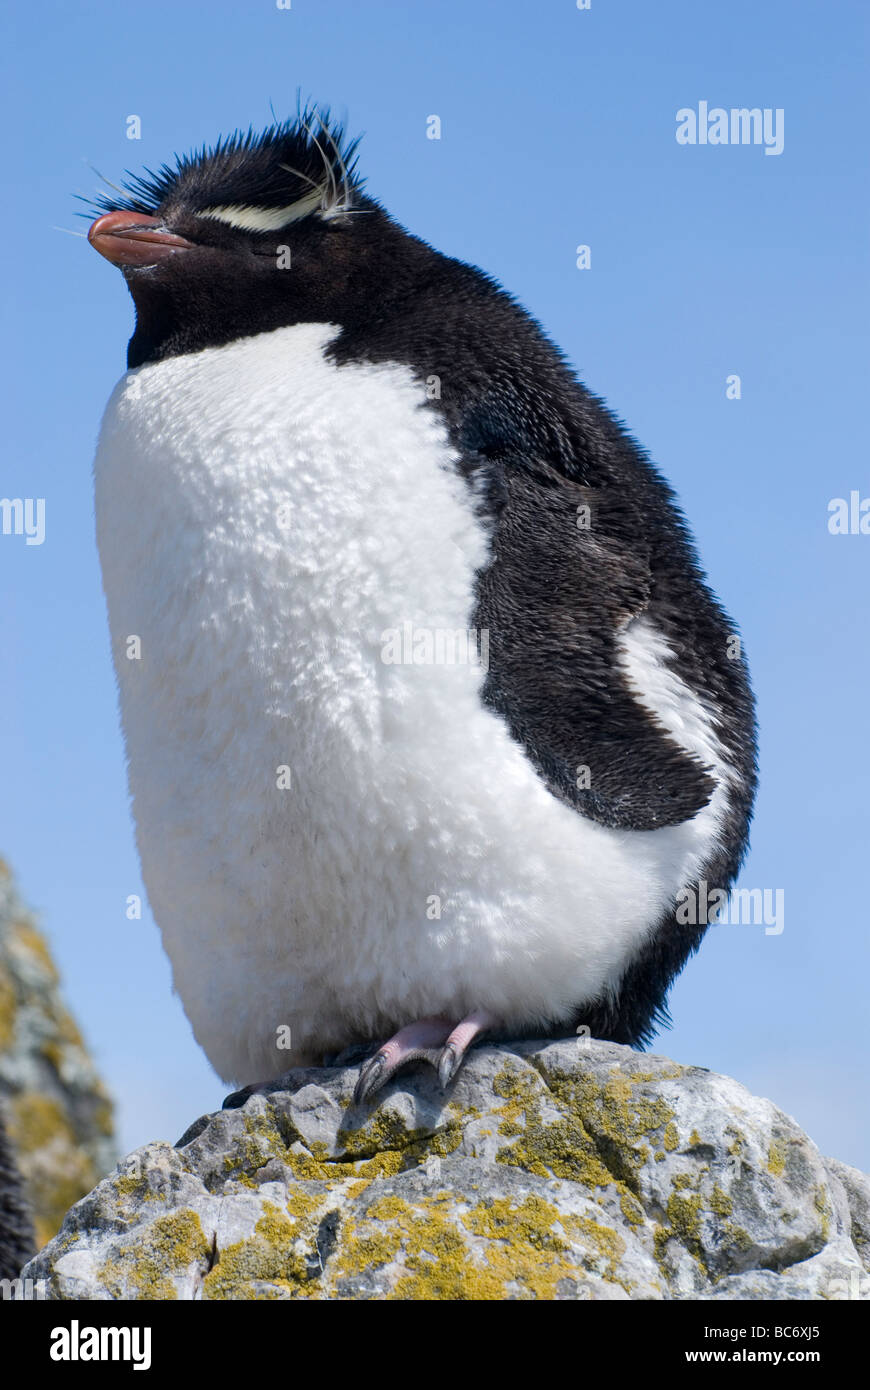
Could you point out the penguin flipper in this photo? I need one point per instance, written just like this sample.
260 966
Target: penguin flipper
569 572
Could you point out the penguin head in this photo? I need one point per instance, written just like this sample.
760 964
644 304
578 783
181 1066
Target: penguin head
258 232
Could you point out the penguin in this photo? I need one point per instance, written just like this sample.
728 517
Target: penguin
432 720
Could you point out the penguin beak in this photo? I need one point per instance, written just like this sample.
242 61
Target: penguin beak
132 239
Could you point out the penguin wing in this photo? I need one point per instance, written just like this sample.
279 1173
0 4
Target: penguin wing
570 570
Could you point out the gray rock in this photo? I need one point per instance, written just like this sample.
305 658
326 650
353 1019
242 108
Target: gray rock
562 1170
58 1113
17 1242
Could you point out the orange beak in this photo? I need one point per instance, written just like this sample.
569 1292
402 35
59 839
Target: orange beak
132 239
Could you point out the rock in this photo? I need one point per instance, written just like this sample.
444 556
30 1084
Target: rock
17 1244
58 1114
556 1170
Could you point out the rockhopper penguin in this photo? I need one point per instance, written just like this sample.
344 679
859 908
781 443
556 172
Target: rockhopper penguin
429 712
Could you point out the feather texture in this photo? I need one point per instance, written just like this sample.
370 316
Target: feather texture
307 159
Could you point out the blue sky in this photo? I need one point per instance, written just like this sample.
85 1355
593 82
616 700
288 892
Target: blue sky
558 128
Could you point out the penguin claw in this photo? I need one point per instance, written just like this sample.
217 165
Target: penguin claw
449 1063
415 1043
461 1037
372 1076
432 1040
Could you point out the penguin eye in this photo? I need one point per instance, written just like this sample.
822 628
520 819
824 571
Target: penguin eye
251 219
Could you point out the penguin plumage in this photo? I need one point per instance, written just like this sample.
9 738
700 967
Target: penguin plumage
334 449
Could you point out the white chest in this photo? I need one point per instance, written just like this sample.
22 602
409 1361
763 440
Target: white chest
331 840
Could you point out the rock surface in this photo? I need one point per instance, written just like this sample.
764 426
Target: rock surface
563 1170
59 1116
17 1243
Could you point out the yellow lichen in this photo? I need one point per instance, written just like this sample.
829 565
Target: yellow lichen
631 1210
527 1251
684 1217
601 1137
68 1029
279 1253
720 1202
559 1148
38 1120
142 1269
738 1141
736 1236
7 1009
24 934
685 1208
57 1170
823 1207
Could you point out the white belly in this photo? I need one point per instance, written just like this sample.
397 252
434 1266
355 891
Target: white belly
263 519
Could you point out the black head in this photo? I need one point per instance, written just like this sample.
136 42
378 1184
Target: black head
256 233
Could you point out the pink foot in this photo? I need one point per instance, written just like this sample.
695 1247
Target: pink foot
434 1040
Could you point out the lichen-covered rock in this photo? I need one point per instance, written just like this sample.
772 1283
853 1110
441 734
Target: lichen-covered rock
17 1244
561 1170
59 1117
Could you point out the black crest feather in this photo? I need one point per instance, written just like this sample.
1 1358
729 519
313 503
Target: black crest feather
274 167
